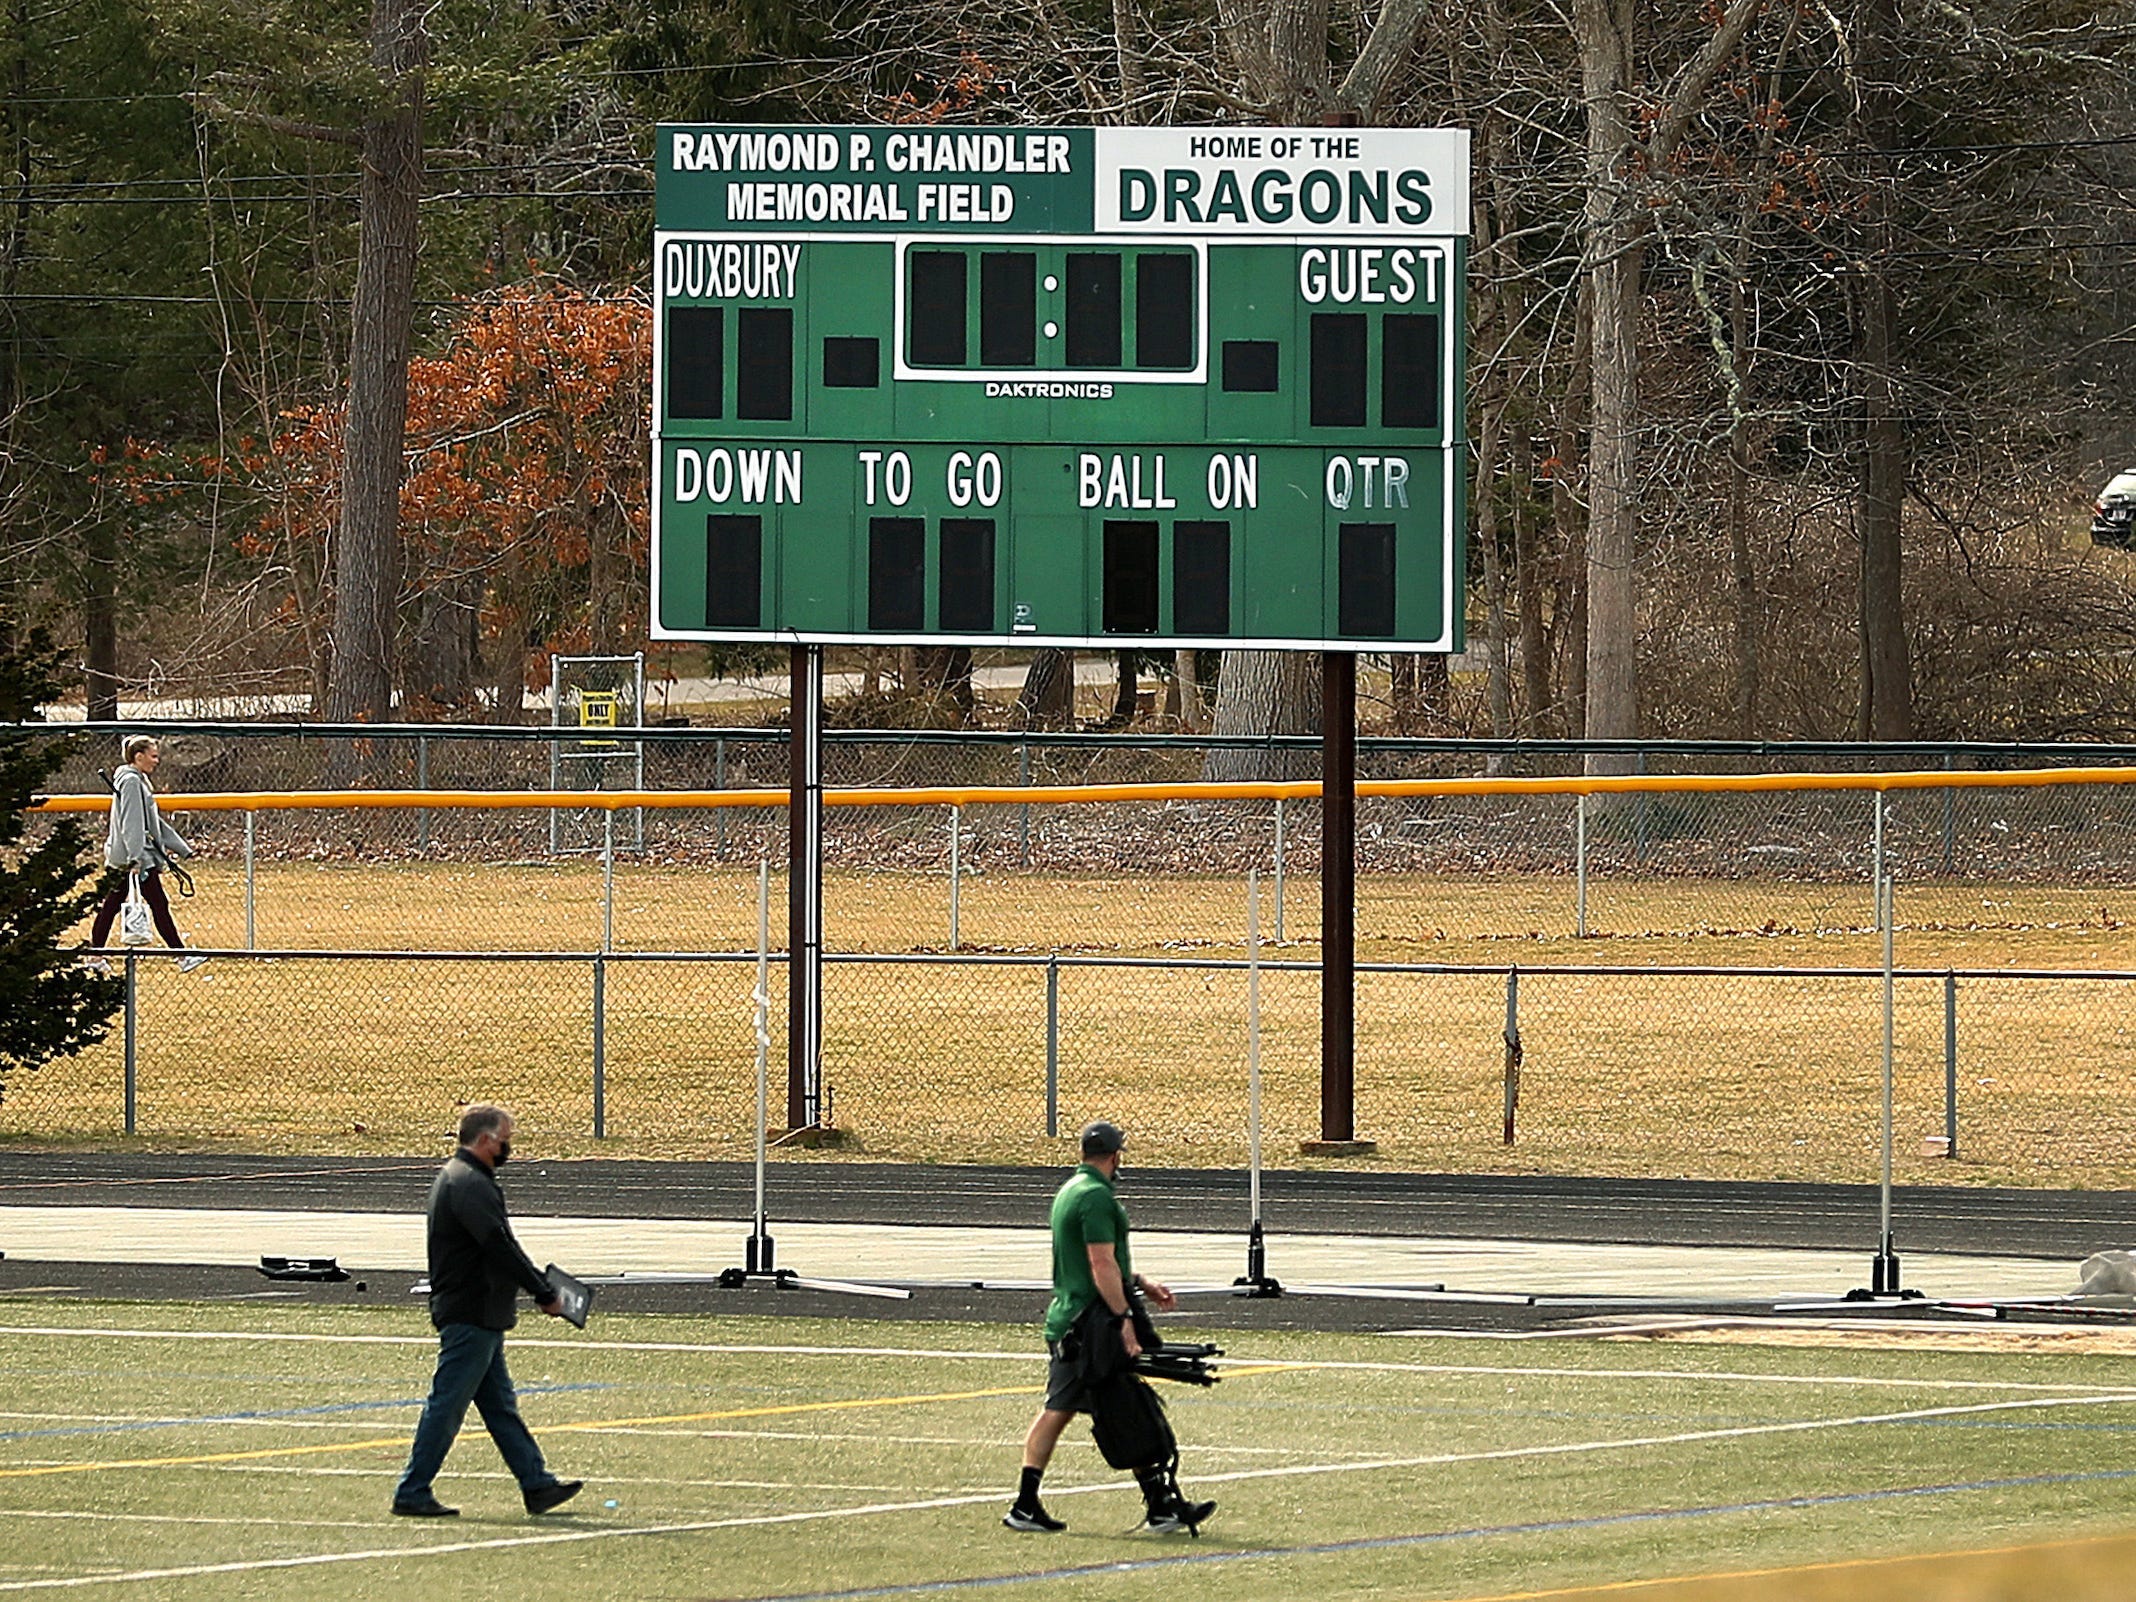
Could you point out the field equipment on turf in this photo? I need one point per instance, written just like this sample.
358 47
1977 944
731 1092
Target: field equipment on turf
324 1269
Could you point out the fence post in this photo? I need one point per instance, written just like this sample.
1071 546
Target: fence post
1023 777
1579 852
132 973
1513 1053
600 1047
1950 1065
1053 1046
1950 822
1639 812
251 940
422 782
956 878
1279 870
608 878
719 782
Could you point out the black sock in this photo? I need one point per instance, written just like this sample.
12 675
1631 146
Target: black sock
1027 1490
1155 1493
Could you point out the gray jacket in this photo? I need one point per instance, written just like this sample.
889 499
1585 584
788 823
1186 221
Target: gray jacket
138 837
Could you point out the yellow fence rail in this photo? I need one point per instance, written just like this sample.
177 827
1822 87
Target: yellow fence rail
1074 794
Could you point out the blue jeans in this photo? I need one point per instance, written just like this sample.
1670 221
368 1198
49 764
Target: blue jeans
470 1369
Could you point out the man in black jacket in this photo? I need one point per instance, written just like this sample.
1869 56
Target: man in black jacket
476 1273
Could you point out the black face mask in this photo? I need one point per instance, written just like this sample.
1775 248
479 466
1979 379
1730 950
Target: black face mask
504 1154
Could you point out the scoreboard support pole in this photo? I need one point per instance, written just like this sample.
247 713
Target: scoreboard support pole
804 892
1338 916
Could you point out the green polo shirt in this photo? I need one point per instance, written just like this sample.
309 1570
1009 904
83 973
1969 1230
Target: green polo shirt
1085 1213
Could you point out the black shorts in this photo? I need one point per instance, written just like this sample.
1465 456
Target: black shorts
1065 1391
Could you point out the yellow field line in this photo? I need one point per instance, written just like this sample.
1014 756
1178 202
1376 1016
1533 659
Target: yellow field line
1066 794
1794 1570
371 1443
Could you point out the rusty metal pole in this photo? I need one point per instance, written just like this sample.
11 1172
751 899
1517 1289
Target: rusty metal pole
804 891
1338 899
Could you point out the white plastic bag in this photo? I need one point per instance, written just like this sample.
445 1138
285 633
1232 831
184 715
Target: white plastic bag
137 925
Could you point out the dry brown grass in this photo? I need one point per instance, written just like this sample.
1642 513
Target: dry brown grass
1721 1076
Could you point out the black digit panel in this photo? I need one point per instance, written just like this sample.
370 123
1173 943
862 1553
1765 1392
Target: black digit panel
966 598
897 573
696 356
734 572
764 364
1409 370
1338 376
1251 366
852 363
1130 603
1093 301
1365 579
934 310
1201 578
1008 309
1164 310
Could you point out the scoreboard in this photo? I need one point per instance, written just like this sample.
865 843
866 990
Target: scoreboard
1091 387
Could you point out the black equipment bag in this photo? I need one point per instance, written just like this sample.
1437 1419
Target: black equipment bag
1127 1419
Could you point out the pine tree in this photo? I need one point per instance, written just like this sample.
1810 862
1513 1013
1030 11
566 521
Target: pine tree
50 1005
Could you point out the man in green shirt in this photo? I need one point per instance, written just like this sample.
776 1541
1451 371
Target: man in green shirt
1091 1265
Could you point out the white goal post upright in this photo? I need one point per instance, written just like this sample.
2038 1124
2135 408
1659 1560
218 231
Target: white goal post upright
598 690
1255 1281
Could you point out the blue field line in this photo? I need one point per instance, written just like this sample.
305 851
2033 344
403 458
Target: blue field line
1376 1543
246 1418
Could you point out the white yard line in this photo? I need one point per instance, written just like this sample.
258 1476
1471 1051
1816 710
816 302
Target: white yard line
192 1518
1434 1460
1236 1359
254 1337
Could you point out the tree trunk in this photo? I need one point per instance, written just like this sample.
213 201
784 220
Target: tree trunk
1886 671
1569 518
1745 621
15 229
1186 705
1603 31
1265 692
100 618
1492 400
367 551
1047 699
441 649
1125 691
1402 688
1528 590
1498 670
943 674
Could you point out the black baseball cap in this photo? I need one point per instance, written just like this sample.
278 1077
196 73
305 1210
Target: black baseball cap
1102 1139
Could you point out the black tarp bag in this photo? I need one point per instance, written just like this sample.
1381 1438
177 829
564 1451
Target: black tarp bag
1128 1421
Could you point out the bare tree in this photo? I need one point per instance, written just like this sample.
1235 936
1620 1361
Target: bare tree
367 554
1622 149
1886 675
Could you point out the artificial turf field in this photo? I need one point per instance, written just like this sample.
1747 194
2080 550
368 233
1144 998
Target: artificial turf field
249 1450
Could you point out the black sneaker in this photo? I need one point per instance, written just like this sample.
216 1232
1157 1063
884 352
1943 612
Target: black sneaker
428 1508
555 1494
1180 1514
1032 1517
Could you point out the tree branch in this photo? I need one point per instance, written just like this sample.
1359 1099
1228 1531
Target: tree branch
1370 76
317 131
1697 74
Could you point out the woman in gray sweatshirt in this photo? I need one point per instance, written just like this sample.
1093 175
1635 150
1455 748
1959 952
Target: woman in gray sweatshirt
139 839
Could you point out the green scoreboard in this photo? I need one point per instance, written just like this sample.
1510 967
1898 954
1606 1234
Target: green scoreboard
1092 387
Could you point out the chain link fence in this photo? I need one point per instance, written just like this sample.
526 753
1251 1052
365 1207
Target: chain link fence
1718 1073
1693 976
